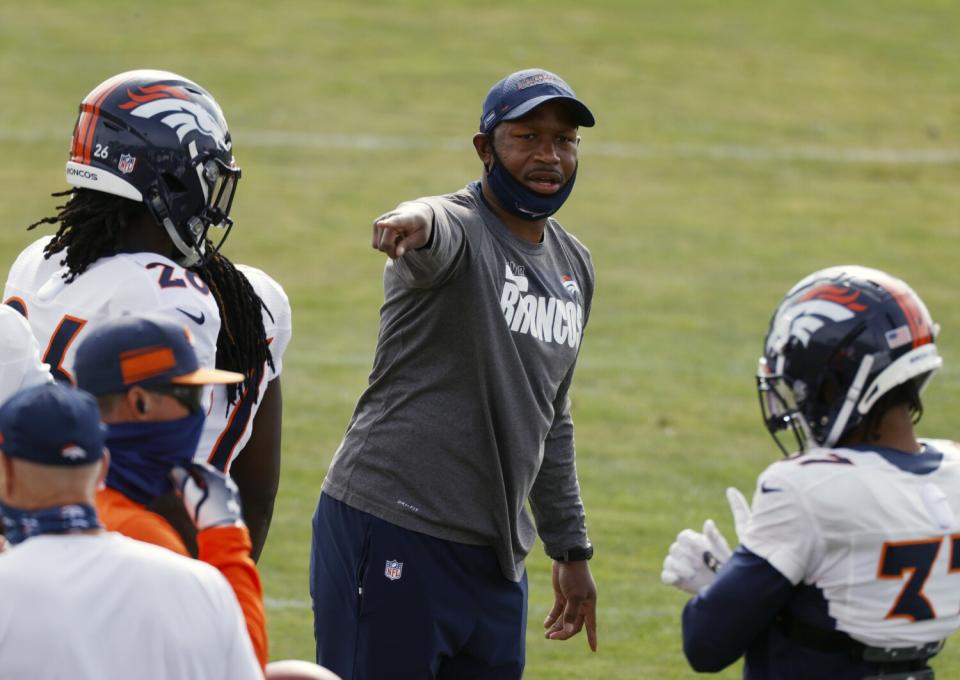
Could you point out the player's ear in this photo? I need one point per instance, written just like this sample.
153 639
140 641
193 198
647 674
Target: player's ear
136 403
6 476
104 466
483 143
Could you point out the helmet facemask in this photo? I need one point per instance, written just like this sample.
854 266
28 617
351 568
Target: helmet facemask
779 408
217 183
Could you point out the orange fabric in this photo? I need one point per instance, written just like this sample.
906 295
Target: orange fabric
226 548
119 513
144 363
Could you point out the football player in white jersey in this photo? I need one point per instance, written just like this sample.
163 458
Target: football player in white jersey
253 425
849 560
152 170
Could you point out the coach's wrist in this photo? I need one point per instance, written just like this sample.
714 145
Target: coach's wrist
573 554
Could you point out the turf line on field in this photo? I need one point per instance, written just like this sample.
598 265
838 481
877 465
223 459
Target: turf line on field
282 603
278 139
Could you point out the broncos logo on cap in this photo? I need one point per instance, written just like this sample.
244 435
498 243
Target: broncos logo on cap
73 452
178 113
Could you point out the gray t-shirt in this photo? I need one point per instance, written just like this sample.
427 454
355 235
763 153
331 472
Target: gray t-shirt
467 413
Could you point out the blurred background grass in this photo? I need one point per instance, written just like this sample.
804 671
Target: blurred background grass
739 146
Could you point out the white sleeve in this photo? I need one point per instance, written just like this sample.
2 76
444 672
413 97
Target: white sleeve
277 317
20 364
239 660
780 529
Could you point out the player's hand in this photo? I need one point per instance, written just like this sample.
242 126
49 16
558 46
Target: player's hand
695 558
740 509
407 227
210 497
575 603
3 544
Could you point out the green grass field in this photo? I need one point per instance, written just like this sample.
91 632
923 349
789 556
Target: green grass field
739 146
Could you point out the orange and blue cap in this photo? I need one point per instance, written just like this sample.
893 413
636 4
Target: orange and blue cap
146 351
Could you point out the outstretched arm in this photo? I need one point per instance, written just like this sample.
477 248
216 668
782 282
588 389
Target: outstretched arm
257 468
407 227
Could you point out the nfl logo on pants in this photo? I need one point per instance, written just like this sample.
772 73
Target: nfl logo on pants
393 569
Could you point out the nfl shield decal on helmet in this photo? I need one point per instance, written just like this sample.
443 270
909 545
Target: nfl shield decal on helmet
126 163
393 570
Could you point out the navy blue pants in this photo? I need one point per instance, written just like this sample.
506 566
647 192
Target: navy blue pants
394 603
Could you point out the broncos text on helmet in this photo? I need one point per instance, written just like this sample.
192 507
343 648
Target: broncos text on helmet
160 139
841 339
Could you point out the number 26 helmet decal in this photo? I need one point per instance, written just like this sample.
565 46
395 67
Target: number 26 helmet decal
841 339
160 139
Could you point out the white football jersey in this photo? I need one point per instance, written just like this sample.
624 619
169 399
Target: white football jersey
877 531
228 428
20 364
60 313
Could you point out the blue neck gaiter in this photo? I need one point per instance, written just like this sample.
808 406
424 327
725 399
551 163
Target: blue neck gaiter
19 525
143 453
519 200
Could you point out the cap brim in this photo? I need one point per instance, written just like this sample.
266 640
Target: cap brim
208 376
581 114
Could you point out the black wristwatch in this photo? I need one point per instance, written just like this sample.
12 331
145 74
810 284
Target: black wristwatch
574 554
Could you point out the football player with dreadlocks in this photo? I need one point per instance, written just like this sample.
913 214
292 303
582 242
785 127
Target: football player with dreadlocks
849 560
152 171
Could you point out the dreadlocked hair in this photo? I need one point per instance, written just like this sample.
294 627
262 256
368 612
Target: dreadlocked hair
242 343
91 224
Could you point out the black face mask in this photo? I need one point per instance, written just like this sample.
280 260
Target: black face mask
520 201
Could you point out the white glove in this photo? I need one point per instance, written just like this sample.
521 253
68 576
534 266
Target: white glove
740 509
210 497
695 558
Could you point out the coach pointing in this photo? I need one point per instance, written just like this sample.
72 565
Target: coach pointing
420 534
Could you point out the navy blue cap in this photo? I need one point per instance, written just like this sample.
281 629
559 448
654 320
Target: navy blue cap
521 92
149 351
52 424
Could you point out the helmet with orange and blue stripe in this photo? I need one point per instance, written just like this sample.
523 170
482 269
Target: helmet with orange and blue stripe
841 339
160 139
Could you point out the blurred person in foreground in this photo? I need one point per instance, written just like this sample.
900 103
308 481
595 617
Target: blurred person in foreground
79 602
420 533
20 364
148 383
849 559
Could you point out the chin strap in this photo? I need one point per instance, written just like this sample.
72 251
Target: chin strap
190 255
853 396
